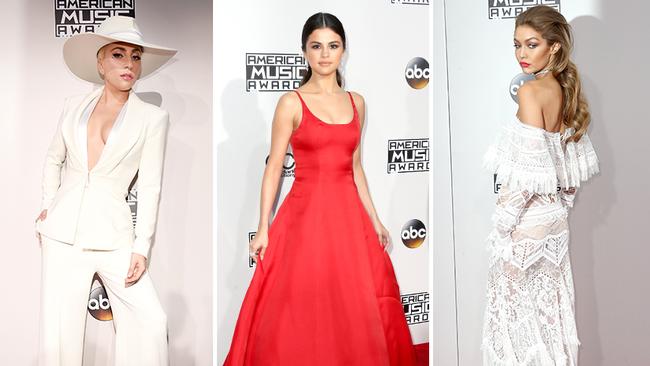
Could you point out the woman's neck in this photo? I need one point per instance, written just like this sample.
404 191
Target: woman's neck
326 84
543 73
113 96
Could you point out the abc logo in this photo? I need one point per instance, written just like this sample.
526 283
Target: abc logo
417 73
132 200
517 82
251 236
413 233
98 305
289 162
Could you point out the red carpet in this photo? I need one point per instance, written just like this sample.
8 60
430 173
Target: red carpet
422 354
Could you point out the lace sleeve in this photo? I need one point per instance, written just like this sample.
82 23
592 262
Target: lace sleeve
532 159
580 162
510 204
522 160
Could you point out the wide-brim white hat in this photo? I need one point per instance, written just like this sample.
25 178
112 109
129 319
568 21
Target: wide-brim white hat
80 51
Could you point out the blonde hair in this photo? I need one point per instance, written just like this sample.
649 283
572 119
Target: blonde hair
555 29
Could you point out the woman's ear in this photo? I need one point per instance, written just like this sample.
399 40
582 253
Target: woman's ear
100 58
556 47
100 68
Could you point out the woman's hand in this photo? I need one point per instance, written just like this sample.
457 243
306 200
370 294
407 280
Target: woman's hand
42 216
257 246
382 234
136 269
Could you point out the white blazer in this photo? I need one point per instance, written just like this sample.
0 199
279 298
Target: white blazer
89 208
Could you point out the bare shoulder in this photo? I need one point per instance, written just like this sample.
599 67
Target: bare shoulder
288 110
530 106
288 100
529 91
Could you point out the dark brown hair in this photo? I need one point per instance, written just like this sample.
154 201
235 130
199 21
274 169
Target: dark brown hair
320 21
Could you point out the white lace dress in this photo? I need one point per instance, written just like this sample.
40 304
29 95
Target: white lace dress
529 318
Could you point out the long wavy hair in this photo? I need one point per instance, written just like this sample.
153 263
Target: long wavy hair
555 29
320 21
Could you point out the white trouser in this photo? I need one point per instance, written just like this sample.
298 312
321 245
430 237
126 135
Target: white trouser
139 321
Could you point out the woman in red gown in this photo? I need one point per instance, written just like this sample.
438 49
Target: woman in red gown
324 291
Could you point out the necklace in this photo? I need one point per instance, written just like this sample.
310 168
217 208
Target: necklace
541 73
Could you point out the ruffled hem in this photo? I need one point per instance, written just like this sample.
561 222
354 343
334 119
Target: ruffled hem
581 162
532 159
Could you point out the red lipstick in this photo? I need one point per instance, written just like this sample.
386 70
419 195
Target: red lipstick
524 64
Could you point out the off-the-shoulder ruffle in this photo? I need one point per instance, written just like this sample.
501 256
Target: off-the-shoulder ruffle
530 158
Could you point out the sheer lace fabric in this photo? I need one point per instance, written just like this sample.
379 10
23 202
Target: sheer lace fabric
529 317
530 158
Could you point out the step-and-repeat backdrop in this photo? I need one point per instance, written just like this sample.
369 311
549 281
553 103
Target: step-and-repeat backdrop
35 85
258 58
609 227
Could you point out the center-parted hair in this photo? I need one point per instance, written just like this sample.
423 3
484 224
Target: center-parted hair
321 21
555 29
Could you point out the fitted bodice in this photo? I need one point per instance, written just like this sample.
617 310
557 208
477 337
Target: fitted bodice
323 151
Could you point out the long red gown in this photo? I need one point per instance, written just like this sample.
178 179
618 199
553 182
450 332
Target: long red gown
326 292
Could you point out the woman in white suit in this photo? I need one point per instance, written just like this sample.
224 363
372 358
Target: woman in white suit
103 140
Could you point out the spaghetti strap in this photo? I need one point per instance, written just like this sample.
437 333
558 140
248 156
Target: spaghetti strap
300 97
354 107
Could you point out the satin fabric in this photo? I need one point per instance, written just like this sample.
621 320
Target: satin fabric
326 292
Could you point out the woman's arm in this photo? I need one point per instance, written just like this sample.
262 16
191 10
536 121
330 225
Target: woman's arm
149 184
530 109
54 159
568 195
360 177
282 128
511 203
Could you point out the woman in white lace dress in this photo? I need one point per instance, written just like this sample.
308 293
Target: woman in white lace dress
540 159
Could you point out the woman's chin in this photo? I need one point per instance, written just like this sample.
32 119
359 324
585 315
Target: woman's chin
324 72
121 85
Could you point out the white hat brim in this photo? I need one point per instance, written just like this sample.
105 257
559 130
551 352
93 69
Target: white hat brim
80 54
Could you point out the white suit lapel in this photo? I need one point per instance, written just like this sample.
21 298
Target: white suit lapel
71 125
125 136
